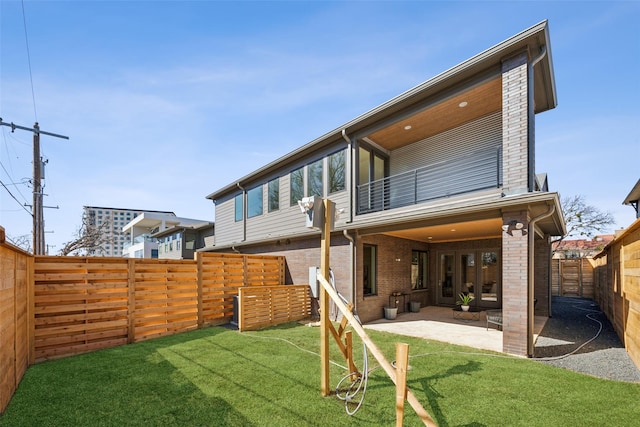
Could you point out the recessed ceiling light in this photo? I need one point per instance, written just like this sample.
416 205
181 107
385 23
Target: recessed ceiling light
463 104
453 229
407 127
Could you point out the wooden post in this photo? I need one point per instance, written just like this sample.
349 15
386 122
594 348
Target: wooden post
325 249
131 303
384 364
199 266
402 361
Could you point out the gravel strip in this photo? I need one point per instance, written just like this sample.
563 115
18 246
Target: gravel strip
579 337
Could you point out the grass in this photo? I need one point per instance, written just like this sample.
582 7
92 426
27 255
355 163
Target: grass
220 377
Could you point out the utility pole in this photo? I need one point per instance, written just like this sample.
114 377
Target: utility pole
36 212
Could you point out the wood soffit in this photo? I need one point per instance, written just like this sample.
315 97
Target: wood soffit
480 100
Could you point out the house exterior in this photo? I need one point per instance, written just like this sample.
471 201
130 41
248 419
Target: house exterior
182 241
145 229
437 194
633 198
112 220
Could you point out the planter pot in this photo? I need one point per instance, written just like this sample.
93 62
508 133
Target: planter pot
390 313
465 307
414 306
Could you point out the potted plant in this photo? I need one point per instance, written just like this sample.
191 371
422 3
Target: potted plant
465 299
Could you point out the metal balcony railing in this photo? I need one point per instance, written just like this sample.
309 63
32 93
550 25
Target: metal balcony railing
472 172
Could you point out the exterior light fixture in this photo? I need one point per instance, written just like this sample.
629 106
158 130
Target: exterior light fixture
463 104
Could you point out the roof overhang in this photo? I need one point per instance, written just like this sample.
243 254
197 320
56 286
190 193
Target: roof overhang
482 219
634 195
435 105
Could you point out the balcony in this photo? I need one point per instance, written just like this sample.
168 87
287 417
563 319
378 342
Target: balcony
138 239
475 171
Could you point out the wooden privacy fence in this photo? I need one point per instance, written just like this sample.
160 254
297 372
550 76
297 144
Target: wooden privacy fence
572 277
84 304
263 306
52 307
15 277
617 287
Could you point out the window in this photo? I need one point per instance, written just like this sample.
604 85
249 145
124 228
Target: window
254 202
314 179
297 186
419 269
154 253
239 208
336 172
274 195
369 270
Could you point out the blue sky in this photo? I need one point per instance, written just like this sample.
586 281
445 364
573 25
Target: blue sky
165 102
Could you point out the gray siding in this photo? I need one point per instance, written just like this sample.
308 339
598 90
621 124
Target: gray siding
227 229
286 222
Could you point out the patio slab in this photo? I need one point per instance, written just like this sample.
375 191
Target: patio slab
438 324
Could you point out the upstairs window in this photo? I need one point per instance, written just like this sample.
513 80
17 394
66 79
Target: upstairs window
273 189
239 208
254 202
297 186
336 172
314 178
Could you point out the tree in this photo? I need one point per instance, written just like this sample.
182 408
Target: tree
582 219
89 239
23 242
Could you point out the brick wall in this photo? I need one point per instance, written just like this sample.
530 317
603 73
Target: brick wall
515 124
514 283
394 274
303 253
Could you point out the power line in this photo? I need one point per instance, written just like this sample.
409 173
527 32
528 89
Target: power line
14 198
26 39
38 218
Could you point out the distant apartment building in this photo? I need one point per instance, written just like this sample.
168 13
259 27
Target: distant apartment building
115 219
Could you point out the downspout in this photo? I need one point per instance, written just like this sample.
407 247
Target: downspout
352 243
531 277
352 250
244 212
531 125
351 172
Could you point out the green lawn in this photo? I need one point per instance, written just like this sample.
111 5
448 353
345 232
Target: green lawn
220 377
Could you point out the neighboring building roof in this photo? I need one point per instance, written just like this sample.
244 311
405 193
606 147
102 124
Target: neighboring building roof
149 219
532 40
584 245
197 226
633 196
127 209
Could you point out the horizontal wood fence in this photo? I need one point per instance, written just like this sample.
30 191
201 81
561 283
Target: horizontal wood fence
53 307
572 277
263 306
84 304
15 279
617 287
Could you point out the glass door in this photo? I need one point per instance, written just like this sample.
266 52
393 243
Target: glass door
467 264
446 279
489 275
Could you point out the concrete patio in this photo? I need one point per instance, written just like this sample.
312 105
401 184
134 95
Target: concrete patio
438 324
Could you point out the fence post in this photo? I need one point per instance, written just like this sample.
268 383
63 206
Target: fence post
31 308
199 266
131 304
